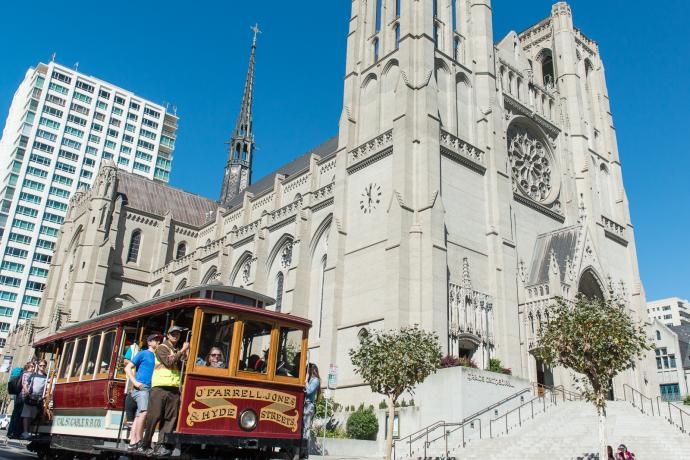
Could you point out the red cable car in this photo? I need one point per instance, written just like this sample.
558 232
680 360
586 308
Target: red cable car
247 403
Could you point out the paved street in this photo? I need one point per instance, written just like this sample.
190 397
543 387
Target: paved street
12 449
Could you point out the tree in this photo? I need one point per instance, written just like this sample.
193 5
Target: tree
394 362
597 339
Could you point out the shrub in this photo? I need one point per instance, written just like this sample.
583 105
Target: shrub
362 424
495 366
467 362
383 405
686 400
449 361
453 361
321 407
337 432
411 402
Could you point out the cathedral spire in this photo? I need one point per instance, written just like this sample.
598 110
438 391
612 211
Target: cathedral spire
238 169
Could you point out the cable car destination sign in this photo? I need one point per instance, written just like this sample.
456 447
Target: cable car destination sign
215 400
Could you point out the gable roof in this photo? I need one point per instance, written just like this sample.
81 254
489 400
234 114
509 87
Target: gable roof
563 243
158 198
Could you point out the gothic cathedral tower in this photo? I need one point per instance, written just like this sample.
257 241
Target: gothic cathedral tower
238 169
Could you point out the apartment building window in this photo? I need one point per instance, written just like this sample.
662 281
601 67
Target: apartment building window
151 112
16 252
58 88
43 258
85 86
68 155
10 281
39 159
49 123
76 120
39 272
74 131
19 238
79 109
53 99
13 266
24 225
61 77
104 94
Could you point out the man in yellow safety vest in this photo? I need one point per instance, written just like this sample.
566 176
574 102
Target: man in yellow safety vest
164 398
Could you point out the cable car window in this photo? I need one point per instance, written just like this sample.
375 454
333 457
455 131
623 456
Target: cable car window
215 339
92 356
107 353
129 349
78 358
66 360
289 352
256 343
232 298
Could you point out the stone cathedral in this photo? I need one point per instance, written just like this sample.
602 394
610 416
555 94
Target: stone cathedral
469 184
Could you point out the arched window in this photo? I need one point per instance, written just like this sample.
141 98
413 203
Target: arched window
456 49
376 50
237 152
658 335
547 72
454 13
181 250
435 33
396 30
378 15
134 243
323 279
280 279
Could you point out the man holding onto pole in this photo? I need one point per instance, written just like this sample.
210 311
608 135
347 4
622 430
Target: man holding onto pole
144 363
164 397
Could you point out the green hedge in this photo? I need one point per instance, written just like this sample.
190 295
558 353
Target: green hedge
362 424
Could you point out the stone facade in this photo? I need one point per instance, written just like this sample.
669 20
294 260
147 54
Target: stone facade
469 184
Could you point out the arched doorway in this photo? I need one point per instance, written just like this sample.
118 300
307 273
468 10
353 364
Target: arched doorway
589 286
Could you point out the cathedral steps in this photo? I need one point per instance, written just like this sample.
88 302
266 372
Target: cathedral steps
569 431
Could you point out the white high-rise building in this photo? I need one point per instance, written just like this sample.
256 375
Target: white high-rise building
672 311
61 125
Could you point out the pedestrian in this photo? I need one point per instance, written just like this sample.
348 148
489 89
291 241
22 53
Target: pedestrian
609 453
14 429
32 394
312 391
624 454
164 397
144 363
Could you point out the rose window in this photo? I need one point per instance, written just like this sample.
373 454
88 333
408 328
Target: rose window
531 164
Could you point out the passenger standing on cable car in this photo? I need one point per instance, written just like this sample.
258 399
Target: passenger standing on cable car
164 398
312 391
144 363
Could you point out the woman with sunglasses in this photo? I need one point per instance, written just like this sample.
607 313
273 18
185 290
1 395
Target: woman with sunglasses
32 393
214 358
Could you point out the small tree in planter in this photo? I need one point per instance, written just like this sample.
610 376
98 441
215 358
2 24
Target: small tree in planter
362 424
597 339
394 362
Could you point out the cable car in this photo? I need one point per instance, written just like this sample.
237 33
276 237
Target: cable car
248 403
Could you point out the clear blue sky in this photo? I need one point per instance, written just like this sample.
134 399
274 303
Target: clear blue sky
194 55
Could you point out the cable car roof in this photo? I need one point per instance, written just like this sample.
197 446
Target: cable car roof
178 299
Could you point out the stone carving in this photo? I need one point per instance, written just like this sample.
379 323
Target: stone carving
531 164
286 256
371 147
460 147
471 311
247 271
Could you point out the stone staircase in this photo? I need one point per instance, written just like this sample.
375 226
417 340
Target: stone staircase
569 432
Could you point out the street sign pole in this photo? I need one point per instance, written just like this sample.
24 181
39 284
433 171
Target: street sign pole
330 386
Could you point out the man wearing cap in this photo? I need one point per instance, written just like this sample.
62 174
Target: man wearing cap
164 398
144 362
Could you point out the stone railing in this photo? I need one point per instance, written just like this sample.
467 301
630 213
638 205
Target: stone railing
370 148
285 212
246 230
322 194
327 166
613 227
463 149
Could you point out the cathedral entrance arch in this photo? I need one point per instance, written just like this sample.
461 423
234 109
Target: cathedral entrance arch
589 285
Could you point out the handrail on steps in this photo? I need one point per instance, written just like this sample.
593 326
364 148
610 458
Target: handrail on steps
641 396
540 394
428 430
672 408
